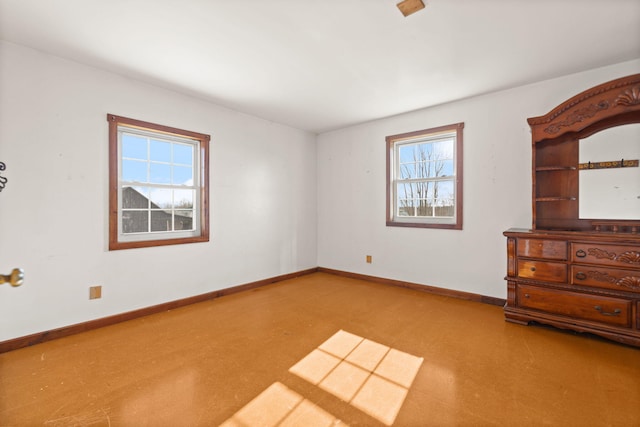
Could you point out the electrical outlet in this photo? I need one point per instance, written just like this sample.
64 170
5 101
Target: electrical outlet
95 292
369 259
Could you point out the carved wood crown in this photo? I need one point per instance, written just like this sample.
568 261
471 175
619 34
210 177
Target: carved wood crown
578 116
629 97
590 106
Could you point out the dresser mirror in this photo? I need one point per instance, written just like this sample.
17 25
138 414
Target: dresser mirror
609 181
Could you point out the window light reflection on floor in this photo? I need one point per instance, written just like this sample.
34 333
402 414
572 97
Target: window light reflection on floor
370 376
282 407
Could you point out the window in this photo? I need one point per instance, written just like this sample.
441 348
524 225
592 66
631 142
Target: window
158 185
424 178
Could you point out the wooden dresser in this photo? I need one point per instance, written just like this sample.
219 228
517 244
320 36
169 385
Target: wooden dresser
571 270
575 280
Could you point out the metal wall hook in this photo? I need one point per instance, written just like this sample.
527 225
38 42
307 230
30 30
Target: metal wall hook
14 279
3 180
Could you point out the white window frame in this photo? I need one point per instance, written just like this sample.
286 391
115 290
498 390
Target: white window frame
195 161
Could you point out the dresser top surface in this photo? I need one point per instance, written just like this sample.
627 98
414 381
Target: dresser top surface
604 236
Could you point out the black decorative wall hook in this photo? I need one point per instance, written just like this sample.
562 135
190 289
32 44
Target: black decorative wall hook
3 180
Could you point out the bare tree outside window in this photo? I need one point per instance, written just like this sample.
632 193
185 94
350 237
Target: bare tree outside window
426 172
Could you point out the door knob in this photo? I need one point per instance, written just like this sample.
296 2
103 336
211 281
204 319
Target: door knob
14 279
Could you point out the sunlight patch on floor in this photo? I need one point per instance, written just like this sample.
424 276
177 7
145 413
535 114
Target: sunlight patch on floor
283 407
370 376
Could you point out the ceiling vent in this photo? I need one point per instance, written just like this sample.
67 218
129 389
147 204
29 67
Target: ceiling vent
408 7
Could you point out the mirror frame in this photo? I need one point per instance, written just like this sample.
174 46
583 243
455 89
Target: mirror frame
557 133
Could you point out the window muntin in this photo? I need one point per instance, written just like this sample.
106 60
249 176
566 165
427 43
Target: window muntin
424 178
159 185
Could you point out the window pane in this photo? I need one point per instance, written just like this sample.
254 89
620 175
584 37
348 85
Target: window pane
443 190
134 147
160 151
424 152
404 191
183 199
135 221
443 157
416 207
183 220
161 221
407 170
160 173
183 154
446 168
444 199
421 190
426 160
406 207
182 175
426 199
135 198
445 207
424 207
407 153
161 198
411 196
443 149
134 171
426 169
407 161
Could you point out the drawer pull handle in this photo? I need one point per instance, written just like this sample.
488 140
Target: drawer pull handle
533 269
580 253
616 312
526 295
580 275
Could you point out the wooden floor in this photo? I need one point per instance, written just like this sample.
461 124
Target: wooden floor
272 356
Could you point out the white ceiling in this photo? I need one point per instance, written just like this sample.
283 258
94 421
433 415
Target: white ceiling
320 65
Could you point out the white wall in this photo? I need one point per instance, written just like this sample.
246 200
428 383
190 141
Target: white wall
279 202
53 211
497 189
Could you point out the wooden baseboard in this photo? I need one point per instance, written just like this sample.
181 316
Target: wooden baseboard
29 340
65 331
423 288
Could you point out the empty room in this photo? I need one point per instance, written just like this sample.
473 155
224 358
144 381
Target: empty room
319 213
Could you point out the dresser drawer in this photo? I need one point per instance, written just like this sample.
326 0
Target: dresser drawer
542 270
541 248
611 311
615 255
604 277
